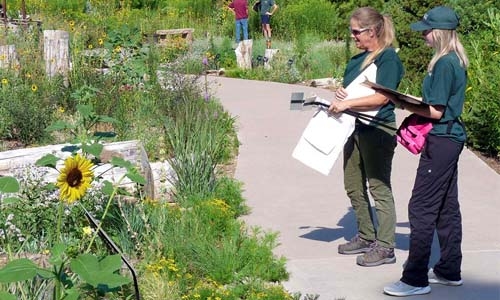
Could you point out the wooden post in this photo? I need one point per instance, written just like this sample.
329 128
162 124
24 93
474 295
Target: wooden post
56 53
8 57
4 12
244 54
269 56
23 10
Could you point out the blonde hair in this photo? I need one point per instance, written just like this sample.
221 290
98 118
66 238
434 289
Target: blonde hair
368 17
446 41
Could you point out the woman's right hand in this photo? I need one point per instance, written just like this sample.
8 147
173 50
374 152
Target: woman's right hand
340 94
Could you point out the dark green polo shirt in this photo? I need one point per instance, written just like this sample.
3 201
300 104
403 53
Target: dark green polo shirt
446 86
389 73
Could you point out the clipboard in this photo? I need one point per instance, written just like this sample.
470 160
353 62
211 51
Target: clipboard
400 96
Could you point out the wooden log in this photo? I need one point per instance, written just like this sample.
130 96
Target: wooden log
163 35
56 53
14 161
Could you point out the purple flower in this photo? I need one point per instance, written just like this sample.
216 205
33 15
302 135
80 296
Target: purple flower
205 61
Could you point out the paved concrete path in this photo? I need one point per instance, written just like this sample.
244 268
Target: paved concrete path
312 213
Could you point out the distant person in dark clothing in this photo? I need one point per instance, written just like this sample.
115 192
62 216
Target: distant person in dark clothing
267 9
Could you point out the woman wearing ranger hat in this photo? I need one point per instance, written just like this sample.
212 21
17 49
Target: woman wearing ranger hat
434 204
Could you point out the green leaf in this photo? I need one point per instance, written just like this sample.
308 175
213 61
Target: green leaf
111 263
120 162
72 294
113 280
87 267
99 273
59 125
57 254
123 191
11 200
18 270
46 274
136 177
6 296
85 110
49 160
95 149
108 188
9 184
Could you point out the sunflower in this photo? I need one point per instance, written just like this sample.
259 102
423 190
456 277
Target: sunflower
75 178
34 88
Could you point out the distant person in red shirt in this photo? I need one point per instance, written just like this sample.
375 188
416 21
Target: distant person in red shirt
240 10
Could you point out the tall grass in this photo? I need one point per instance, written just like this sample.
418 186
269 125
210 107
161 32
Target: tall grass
199 134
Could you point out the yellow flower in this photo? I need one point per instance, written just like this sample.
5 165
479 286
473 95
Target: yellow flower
28 75
117 49
34 88
90 46
71 23
100 41
87 231
5 81
60 109
75 178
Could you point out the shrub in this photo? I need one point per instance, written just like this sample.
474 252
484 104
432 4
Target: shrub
482 107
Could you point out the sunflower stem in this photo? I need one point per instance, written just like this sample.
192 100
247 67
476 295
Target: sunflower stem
59 220
108 205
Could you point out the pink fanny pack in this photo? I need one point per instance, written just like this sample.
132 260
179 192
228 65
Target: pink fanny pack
412 133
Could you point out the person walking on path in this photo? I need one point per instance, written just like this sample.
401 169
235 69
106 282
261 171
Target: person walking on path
240 11
434 204
369 151
267 9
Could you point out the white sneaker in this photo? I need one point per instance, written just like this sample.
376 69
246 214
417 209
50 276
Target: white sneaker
402 289
433 278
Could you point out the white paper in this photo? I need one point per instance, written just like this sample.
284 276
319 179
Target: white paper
323 140
356 89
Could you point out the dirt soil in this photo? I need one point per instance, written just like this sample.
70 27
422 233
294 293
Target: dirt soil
493 162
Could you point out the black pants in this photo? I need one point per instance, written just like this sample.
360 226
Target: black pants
434 206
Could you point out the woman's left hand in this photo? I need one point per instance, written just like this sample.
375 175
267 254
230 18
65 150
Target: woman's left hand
338 106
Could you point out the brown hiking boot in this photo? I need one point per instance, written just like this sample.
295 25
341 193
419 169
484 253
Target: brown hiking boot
268 44
355 245
377 255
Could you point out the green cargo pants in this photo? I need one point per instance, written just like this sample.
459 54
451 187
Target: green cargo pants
368 157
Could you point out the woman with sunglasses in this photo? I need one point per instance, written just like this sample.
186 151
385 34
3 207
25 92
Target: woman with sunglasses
369 151
434 202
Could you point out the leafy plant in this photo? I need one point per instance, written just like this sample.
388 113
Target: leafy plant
200 136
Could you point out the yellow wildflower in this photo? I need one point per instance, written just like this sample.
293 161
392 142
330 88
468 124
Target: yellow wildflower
87 231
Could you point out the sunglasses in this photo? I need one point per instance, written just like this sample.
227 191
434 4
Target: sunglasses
358 31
